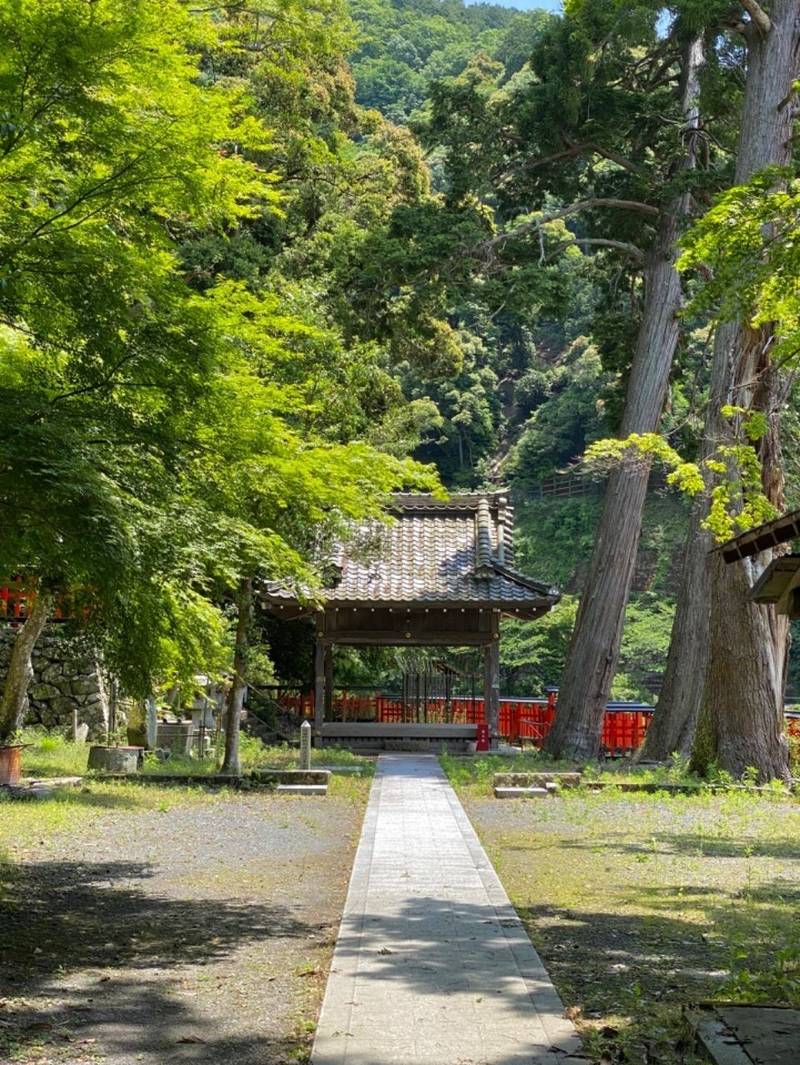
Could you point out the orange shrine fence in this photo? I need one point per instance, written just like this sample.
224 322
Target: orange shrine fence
521 720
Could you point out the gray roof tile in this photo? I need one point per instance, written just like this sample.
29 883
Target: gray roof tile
433 551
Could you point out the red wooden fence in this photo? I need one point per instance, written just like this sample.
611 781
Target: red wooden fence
520 720
16 598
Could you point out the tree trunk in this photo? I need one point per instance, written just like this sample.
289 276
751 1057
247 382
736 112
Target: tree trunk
743 726
20 669
594 648
675 720
244 606
741 723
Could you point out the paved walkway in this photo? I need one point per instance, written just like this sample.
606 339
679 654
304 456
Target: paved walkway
432 965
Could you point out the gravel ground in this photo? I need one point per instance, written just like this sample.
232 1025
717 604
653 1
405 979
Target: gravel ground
197 931
640 906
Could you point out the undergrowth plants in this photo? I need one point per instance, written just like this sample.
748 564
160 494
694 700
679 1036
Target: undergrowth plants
50 754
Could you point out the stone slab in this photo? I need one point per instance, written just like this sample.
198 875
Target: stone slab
291 776
536 780
302 789
520 793
749 1035
432 964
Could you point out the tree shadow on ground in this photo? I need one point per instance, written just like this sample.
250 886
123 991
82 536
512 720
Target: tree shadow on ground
114 797
93 923
128 1021
680 843
646 967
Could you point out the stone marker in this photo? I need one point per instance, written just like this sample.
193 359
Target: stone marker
305 745
151 723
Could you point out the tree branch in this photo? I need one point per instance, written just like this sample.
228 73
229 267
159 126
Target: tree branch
757 13
619 245
602 242
573 208
615 157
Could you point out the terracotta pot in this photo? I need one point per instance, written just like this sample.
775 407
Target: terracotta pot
10 763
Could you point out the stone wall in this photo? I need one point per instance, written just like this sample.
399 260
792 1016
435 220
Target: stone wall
65 677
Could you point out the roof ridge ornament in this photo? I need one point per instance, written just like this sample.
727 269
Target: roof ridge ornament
484 557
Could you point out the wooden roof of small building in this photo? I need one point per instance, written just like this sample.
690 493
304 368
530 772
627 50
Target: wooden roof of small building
433 553
771 534
779 584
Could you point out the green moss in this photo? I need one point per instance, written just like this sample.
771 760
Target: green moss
641 905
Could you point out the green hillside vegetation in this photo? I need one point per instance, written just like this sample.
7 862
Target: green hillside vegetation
404 46
542 351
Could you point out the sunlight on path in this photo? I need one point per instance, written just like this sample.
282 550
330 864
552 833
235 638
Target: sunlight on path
432 965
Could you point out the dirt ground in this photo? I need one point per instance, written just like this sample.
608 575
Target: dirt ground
640 906
175 926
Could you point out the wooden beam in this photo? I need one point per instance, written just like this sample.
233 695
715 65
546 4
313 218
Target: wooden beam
319 686
377 638
491 689
328 652
771 534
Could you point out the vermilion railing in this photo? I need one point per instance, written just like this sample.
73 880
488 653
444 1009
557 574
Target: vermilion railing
16 599
519 720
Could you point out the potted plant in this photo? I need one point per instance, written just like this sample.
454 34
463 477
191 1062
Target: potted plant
10 761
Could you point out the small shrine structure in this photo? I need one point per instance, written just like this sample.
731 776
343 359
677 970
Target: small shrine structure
439 574
779 583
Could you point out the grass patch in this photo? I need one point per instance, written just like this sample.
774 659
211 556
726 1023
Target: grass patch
51 755
642 904
256 755
475 775
32 822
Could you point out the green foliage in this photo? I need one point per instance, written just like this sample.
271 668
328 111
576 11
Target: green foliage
533 653
403 47
561 427
168 433
736 503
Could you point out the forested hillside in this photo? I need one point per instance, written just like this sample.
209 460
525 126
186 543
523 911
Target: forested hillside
275 261
542 350
402 47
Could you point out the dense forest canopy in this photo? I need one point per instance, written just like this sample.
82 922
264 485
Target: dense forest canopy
308 254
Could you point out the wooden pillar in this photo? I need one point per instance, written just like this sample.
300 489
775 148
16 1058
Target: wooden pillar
329 681
319 687
491 688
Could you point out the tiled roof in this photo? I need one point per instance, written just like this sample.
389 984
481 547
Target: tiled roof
434 551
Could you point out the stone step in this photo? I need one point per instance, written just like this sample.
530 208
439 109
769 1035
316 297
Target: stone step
302 789
521 793
536 780
291 776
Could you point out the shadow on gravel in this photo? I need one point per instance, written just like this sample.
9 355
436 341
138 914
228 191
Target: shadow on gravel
133 1021
98 919
664 843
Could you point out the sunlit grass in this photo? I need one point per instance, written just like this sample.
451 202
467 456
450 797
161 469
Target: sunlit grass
476 774
643 904
49 754
254 754
26 822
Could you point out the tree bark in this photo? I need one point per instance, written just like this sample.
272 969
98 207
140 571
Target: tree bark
715 619
594 648
672 729
712 662
244 606
20 669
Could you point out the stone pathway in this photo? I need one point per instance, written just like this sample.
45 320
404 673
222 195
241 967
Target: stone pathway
432 965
